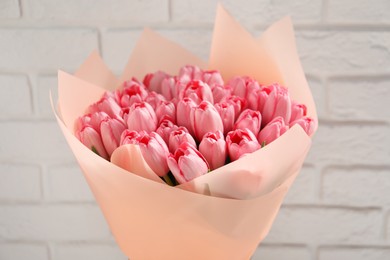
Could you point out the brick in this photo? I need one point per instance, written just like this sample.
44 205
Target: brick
151 11
23 251
9 9
303 189
332 51
45 84
358 11
355 253
252 12
117 45
356 186
360 99
15 96
326 225
67 183
53 223
276 252
45 49
88 251
20 182
350 144
34 140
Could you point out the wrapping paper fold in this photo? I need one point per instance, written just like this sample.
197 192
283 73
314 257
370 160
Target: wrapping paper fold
223 214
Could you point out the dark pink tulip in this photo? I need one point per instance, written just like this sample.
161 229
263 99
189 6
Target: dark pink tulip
179 136
213 148
240 142
91 139
249 119
277 104
187 163
227 114
307 123
205 118
141 116
198 91
272 130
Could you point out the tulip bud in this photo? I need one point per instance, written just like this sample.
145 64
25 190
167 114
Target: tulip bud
307 123
107 105
249 119
153 81
141 117
154 99
91 139
212 78
166 109
240 142
220 93
277 104
179 136
213 148
238 104
187 163
132 92
227 114
297 111
243 86
165 129
111 130
198 91
131 137
189 73
272 130
205 118
183 111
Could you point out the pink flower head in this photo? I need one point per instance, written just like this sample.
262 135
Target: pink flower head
238 104
189 73
141 116
153 99
213 148
179 136
170 88
132 92
111 130
240 142
165 128
183 111
187 163
166 109
227 114
272 130
131 136
307 123
262 96
297 111
205 118
277 104
243 86
153 81
198 91
91 139
212 78
108 105
155 152
249 119
220 93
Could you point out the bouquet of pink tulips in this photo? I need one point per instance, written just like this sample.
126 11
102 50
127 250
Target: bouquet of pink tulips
192 123
194 161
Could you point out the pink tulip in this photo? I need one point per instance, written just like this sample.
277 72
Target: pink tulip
153 81
262 96
272 130
131 93
277 104
179 136
153 99
183 111
111 130
131 137
98 117
297 111
212 78
169 88
249 119
213 148
243 86
166 109
198 91
227 114
165 128
189 73
187 163
238 104
155 152
240 142
307 123
220 93
205 118
141 116
108 105
91 139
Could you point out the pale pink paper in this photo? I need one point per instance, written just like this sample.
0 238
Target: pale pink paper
223 214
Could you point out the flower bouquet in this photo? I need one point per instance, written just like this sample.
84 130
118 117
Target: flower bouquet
192 162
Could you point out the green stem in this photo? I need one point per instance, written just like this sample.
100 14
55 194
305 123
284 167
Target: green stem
167 180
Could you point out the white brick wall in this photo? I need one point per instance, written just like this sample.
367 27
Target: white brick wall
339 207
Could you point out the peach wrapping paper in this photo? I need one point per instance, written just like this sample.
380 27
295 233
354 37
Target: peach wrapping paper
223 214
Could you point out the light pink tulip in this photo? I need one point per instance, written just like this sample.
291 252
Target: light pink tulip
166 109
297 111
91 139
212 78
141 116
243 86
262 96
165 128
189 73
238 104
198 91
153 81
183 111
272 130
221 93
187 163
132 92
240 142
205 118
277 104
169 88
179 136
249 119
153 98
307 123
131 136
227 114
111 130
213 148
108 105
155 152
